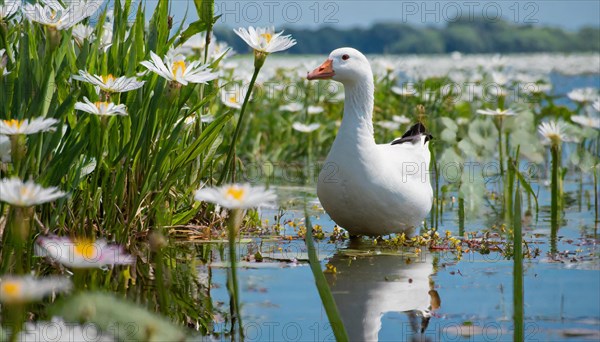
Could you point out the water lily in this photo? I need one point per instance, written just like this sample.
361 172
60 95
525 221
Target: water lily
24 289
17 193
52 14
300 127
587 121
236 196
553 133
175 69
109 83
9 8
82 253
101 107
583 95
27 126
264 39
496 112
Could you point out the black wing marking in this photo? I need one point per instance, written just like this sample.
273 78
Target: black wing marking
413 135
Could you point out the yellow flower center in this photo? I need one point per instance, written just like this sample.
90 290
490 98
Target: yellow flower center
177 66
267 36
85 248
236 193
101 106
25 191
10 289
13 123
107 78
232 99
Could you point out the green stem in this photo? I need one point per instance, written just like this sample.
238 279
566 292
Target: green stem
235 222
554 217
236 133
518 269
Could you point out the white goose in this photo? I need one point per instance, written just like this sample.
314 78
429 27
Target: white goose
369 188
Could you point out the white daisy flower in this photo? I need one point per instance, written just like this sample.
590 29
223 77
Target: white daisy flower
4 149
586 121
101 108
54 15
196 44
553 133
9 8
37 125
109 83
58 331
292 107
82 253
264 39
300 127
82 32
401 119
389 125
17 193
24 289
3 62
596 105
236 196
496 112
175 69
233 98
583 95
315 109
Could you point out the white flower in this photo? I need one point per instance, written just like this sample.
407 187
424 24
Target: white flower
59 331
292 107
101 108
17 193
233 98
596 105
587 121
24 289
82 253
9 8
583 95
82 32
109 83
496 112
236 196
400 119
53 14
14 127
554 133
391 125
4 149
264 39
315 109
195 45
300 127
176 69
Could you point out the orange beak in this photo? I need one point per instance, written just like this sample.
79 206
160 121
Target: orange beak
323 72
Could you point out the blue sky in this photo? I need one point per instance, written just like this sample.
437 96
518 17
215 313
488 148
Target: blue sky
361 13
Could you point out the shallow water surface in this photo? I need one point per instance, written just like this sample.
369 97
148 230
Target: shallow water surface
393 295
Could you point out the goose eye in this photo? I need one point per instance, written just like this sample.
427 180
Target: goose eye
345 57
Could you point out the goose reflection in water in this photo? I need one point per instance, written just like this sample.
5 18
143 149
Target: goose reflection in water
365 287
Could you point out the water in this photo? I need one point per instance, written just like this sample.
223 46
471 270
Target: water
386 296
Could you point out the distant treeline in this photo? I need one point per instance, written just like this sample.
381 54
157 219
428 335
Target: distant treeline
470 36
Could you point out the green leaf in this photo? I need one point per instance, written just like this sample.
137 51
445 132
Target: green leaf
127 321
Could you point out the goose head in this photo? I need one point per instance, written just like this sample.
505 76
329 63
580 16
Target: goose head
345 65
